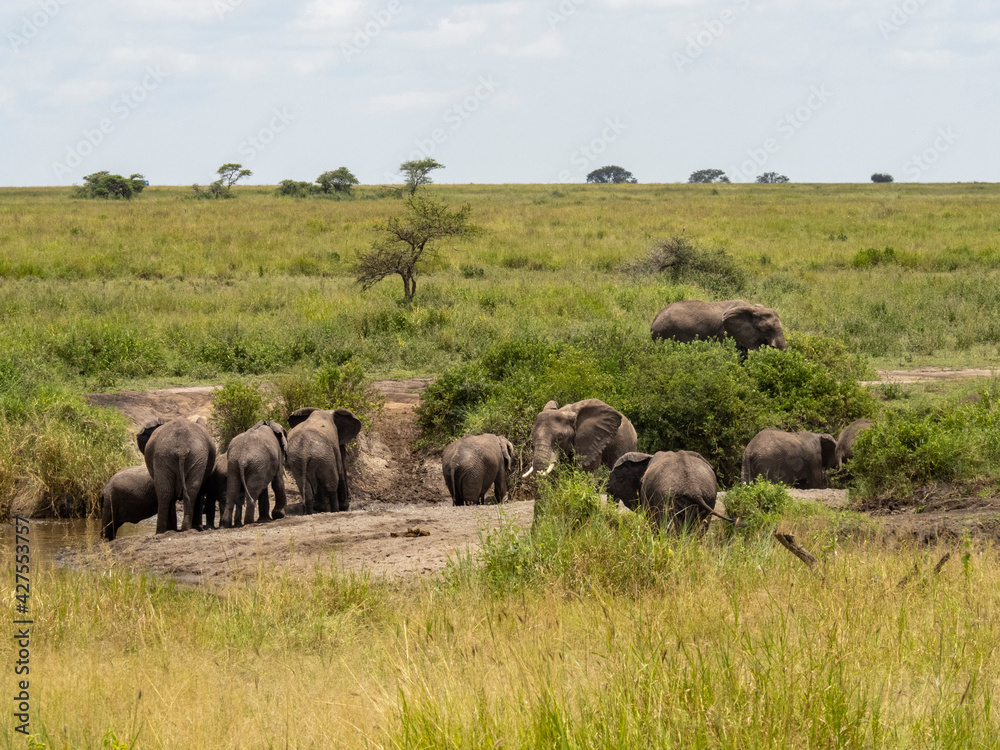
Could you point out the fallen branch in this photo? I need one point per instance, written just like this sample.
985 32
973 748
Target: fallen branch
788 542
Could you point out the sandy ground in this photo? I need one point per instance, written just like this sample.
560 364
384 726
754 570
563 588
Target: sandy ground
401 520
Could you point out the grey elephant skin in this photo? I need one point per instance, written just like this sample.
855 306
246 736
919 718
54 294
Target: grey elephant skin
256 459
750 326
128 497
179 455
475 462
845 442
213 492
674 487
591 431
797 459
317 456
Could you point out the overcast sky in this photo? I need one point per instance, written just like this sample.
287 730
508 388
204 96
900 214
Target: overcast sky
542 91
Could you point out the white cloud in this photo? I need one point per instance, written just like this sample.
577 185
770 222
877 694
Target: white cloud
935 59
546 47
409 100
328 14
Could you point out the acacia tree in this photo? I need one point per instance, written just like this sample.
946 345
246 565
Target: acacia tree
405 241
417 173
708 175
881 177
103 184
611 173
230 174
771 178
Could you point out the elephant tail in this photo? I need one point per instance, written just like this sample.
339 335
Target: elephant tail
107 517
307 502
456 487
251 501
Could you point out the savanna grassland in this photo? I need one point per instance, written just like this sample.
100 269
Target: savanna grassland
592 630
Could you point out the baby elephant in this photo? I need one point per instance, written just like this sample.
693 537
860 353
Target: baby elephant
845 443
471 464
798 459
128 497
668 485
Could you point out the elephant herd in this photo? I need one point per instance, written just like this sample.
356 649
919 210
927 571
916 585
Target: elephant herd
181 463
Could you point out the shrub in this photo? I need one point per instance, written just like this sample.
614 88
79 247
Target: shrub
683 262
236 407
294 189
347 387
760 505
111 186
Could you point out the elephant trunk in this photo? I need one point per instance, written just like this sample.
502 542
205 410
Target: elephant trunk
544 459
778 342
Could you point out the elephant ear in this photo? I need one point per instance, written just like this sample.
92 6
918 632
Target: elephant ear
143 436
348 425
740 322
507 450
550 406
828 447
596 424
299 416
279 432
626 478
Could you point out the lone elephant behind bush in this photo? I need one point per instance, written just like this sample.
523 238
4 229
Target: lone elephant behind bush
591 431
797 459
472 463
750 326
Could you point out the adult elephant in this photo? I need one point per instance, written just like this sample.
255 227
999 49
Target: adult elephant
750 326
256 460
128 497
472 463
668 484
179 455
798 459
595 433
845 442
317 455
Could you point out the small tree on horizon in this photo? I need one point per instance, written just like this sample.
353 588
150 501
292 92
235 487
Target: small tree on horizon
703 176
339 180
613 174
417 173
881 177
230 174
771 178
405 242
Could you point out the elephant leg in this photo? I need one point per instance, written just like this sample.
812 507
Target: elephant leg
343 500
226 517
248 516
263 506
308 498
280 499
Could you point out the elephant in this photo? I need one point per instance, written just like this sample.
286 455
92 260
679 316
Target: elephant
845 443
751 326
128 497
256 459
668 484
474 462
180 456
597 434
797 459
213 492
317 455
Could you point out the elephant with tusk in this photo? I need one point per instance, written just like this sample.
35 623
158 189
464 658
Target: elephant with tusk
593 432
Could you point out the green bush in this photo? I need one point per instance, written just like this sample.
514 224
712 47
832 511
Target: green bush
911 447
760 505
236 407
697 396
679 259
347 387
